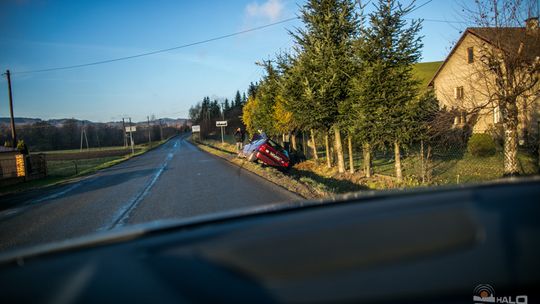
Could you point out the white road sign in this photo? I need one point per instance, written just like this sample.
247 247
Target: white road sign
131 129
196 128
221 123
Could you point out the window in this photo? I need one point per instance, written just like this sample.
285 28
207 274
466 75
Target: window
470 55
458 92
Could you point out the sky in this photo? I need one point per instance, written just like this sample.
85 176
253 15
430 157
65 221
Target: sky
42 34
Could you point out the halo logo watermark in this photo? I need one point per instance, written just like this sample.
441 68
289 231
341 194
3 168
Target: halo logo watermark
484 293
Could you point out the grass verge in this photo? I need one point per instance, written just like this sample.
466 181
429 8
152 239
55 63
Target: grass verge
299 179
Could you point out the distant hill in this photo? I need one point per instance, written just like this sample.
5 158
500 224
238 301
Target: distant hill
19 120
426 70
59 122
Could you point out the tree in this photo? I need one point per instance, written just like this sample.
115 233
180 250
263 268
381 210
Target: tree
386 87
226 105
325 49
249 114
237 99
252 89
509 66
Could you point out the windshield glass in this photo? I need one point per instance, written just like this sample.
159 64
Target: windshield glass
114 114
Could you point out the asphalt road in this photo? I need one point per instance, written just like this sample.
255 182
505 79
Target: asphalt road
176 180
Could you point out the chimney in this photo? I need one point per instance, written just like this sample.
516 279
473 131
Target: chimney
532 24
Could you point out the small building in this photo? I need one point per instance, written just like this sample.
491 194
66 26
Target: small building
16 167
463 85
8 165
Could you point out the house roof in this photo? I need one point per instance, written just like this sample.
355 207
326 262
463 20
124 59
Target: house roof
508 39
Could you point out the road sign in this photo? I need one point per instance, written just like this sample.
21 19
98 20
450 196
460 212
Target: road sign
196 128
131 129
19 161
221 124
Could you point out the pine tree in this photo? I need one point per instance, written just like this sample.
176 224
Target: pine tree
386 88
237 99
226 106
325 49
252 89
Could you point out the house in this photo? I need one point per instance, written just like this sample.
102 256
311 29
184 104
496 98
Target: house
463 85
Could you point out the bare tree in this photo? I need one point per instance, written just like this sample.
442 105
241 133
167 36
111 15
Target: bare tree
508 66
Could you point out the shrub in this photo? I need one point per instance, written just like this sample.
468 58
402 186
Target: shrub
481 145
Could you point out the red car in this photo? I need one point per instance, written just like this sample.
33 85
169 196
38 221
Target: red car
268 152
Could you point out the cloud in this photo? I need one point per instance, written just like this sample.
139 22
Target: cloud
271 9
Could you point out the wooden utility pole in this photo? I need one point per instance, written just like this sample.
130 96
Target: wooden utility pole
131 137
124 132
12 120
149 130
160 130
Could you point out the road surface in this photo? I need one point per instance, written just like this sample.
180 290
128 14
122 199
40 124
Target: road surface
176 180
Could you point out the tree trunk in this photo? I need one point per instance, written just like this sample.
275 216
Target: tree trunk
327 146
339 150
422 163
368 170
428 165
397 157
314 145
293 141
510 126
351 160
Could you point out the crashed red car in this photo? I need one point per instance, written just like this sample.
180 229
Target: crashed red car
268 152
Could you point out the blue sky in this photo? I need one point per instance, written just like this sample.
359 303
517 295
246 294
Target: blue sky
39 34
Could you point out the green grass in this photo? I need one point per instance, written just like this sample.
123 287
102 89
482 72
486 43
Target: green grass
136 147
59 168
425 71
452 169
477 169
60 171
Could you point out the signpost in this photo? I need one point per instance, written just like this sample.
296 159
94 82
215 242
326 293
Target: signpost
222 124
196 128
131 129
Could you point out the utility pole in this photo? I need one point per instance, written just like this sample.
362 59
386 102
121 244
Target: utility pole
160 130
83 134
149 130
13 132
131 137
124 132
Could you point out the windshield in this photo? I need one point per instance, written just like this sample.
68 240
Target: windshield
114 114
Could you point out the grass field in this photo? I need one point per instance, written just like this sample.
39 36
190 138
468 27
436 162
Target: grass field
452 169
59 171
426 70
84 150
63 168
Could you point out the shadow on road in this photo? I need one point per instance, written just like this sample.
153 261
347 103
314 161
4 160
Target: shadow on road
87 185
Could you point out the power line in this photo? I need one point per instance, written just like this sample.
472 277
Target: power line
418 7
158 51
440 21
193 44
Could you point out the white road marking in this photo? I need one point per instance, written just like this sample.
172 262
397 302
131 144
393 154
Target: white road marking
122 215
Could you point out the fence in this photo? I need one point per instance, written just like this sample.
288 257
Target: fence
435 162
